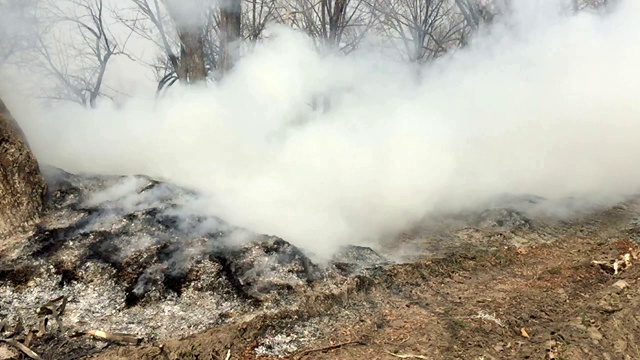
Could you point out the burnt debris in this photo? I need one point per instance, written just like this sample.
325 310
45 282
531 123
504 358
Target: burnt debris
129 251
142 229
504 218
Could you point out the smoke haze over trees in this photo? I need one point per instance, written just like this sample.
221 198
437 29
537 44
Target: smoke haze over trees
332 121
72 43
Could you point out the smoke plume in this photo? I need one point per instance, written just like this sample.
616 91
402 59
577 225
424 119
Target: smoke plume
544 103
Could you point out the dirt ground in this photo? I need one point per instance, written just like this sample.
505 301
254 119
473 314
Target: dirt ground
556 290
541 300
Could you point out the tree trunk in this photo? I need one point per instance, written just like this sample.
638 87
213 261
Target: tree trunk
192 65
22 187
230 15
336 22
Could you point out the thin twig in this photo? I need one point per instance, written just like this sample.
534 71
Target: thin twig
330 347
407 356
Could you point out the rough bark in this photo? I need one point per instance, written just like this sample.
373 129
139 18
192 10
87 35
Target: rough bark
192 67
231 18
337 21
22 187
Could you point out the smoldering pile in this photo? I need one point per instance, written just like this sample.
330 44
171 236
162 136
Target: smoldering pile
135 255
138 256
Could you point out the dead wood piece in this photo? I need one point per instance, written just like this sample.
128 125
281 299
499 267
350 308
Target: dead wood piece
42 328
28 339
128 338
330 347
407 356
30 353
51 308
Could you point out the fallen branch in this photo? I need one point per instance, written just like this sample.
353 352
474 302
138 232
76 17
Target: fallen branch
407 356
330 347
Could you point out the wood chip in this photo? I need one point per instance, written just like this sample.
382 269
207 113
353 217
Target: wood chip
407 356
28 339
128 338
42 328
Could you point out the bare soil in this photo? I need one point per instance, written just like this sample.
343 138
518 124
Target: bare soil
500 295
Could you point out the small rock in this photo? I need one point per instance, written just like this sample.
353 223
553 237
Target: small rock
562 295
620 346
397 323
594 334
621 284
498 348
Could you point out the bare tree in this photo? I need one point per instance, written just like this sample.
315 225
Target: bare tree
424 29
191 28
472 12
198 38
17 24
77 63
161 32
256 15
182 31
333 24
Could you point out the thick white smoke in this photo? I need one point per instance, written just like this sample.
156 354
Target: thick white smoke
546 104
